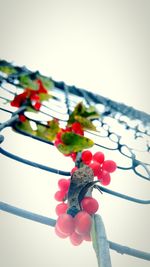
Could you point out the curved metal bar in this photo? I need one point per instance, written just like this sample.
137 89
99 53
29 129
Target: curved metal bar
33 164
116 194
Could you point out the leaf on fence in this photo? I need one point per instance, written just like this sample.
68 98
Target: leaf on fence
44 97
84 115
48 133
27 82
73 143
8 69
87 124
47 82
26 127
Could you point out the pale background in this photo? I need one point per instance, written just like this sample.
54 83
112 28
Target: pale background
102 46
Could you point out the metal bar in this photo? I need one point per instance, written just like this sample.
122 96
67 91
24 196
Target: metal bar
51 222
27 214
33 164
116 194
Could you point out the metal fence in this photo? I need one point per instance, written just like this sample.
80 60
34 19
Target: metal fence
116 121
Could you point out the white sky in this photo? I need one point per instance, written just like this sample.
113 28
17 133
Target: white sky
102 46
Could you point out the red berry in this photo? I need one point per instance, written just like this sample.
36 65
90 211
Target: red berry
60 195
37 105
42 89
77 128
86 237
65 224
64 184
95 166
22 118
61 208
76 239
104 178
73 170
19 99
86 156
34 97
73 156
82 222
90 205
58 233
99 157
109 166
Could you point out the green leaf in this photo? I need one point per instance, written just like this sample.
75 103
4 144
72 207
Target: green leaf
7 69
74 143
30 109
44 97
48 133
26 127
87 124
26 82
47 82
91 113
84 115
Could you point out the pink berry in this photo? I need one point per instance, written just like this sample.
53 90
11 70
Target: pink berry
99 157
73 170
65 224
96 167
86 156
64 184
58 233
60 195
73 156
76 239
82 222
86 237
104 178
61 208
109 166
90 205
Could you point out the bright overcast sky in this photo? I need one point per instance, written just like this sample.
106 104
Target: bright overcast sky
102 46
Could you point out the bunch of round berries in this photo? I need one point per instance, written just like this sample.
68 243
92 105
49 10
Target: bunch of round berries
61 196
101 167
76 228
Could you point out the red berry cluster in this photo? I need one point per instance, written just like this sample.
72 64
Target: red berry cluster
101 167
61 196
77 228
30 94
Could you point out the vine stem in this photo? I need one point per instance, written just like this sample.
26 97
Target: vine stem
51 222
